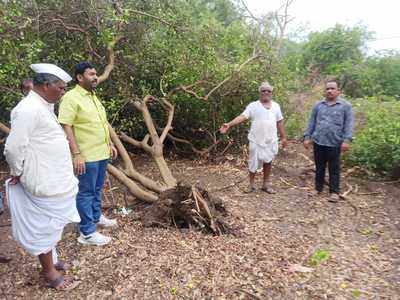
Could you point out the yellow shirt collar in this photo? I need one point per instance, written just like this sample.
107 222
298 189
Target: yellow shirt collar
84 92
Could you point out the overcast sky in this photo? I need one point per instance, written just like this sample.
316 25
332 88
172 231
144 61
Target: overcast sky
382 16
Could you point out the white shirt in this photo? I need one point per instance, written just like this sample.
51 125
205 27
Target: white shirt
37 149
263 130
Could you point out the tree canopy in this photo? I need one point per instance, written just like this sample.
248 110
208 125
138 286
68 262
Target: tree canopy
215 52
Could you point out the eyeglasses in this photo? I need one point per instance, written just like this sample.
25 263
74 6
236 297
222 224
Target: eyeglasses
266 91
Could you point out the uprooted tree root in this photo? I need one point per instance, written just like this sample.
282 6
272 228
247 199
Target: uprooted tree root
187 207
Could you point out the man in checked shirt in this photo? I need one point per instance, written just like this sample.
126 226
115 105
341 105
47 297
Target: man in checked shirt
330 131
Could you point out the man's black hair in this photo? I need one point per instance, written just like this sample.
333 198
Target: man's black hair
82 67
335 80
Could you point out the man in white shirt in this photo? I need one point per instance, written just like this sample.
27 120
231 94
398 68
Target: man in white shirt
43 188
266 120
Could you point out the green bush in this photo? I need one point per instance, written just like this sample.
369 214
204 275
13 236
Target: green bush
196 40
376 144
295 125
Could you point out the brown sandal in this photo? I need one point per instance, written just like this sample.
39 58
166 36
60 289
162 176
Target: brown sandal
268 190
62 283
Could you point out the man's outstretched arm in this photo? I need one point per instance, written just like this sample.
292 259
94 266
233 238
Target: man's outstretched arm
226 126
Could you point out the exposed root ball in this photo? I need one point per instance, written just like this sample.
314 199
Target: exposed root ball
187 207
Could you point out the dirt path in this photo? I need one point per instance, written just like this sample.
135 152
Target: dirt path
277 236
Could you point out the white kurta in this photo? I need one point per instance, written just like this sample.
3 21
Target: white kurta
44 201
263 135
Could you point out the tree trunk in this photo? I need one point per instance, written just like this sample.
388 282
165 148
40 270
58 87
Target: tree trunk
165 172
132 186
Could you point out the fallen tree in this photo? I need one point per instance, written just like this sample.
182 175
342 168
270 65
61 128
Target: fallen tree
199 209
172 203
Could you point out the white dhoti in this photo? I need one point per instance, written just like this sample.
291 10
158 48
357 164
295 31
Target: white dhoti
263 144
37 151
38 222
260 154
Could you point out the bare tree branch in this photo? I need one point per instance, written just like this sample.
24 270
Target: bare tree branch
202 152
132 186
148 120
250 59
137 105
156 148
138 12
110 46
187 89
110 60
249 11
282 22
68 27
129 170
170 109
143 144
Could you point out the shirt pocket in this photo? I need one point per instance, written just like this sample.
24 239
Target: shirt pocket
88 114
338 118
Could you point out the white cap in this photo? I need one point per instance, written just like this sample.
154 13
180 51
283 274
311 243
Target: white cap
53 70
265 85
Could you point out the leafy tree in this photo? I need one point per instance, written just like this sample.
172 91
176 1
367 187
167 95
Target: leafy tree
386 74
377 143
332 50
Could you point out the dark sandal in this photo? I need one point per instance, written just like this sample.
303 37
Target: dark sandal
63 284
62 266
59 266
250 189
4 260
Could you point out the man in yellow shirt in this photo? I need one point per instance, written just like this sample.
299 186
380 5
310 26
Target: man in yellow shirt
84 120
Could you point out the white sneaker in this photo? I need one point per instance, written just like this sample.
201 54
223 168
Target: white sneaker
96 238
107 222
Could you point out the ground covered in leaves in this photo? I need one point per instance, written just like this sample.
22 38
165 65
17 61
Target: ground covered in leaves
289 245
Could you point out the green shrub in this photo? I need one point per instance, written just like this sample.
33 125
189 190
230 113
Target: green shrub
295 125
376 144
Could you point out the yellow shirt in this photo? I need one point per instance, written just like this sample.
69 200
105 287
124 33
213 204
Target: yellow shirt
84 112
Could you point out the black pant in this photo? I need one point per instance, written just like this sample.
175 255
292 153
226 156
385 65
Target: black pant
327 155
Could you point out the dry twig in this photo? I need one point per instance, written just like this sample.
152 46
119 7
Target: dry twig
307 158
229 185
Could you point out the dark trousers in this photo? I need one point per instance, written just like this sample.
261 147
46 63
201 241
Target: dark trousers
324 155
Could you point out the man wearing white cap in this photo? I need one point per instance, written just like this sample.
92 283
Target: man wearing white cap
266 120
42 189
